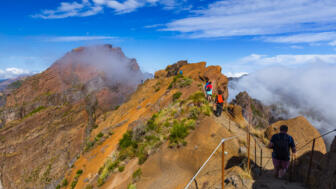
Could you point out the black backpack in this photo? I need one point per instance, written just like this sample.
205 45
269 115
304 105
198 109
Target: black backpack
281 147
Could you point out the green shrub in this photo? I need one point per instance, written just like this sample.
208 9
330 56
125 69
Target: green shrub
131 186
141 154
190 123
89 145
176 96
151 122
105 171
170 86
58 186
194 113
137 174
100 134
185 82
112 165
117 107
79 172
198 98
65 182
206 110
178 132
121 168
75 181
126 141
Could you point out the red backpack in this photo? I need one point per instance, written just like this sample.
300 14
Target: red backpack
220 99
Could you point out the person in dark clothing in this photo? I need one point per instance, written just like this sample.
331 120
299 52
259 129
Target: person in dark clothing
281 144
219 103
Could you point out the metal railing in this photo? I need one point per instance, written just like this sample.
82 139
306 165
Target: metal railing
221 143
248 134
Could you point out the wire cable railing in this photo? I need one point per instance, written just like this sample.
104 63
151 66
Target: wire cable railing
261 156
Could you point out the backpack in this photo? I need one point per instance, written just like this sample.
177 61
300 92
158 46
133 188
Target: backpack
220 99
208 87
281 147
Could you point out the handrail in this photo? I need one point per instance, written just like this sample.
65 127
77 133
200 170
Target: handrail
327 133
222 141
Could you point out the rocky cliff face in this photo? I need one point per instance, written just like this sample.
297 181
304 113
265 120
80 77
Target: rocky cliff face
258 114
47 120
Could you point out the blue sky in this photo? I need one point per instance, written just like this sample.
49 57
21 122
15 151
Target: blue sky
239 35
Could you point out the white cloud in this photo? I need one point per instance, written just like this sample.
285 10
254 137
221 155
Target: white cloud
79 38
307 90
257 17
13 72
92 7
74 9
333 43
296 47
255 62
235 74
288 60
303 38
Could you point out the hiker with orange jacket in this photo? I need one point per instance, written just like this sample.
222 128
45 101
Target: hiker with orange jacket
219 103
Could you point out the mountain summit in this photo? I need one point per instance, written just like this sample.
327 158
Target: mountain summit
48 118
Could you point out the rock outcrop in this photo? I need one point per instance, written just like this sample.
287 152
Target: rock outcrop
254 111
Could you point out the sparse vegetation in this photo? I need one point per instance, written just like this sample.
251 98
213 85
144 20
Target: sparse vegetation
89 186
176 96
137 174
178 133
65 182
36 110
15 85
255 111
121 168
75 181
131 186
179 81
172 123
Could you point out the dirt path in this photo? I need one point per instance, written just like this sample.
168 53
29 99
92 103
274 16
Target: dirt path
266 180
256 144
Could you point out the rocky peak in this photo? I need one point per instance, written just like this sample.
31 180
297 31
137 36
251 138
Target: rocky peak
260 115
62 103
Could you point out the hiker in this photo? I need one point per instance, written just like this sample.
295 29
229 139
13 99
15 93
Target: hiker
181 72
209 91
280 143
219 103
206 84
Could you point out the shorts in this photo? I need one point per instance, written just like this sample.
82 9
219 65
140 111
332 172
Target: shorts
280 164
209 93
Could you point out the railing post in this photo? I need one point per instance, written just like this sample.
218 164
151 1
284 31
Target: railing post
255 151
311 160
196 185
223 158
229 125
248 151
261 165
291 168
